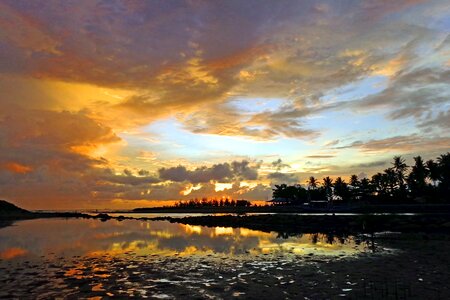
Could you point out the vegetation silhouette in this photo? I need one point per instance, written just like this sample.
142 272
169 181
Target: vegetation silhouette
421 184
424 182
214 202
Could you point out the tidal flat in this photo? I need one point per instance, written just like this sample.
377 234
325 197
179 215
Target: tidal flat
87 258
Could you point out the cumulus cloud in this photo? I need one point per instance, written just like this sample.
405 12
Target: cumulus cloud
224 172
278 164
278 177
45 153
236 191
55 139
109 176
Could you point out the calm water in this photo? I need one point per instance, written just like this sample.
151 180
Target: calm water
86 258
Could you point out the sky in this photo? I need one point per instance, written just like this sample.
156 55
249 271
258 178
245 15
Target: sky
123 104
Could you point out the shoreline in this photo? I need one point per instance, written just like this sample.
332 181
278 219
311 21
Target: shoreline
374 208
283 219
288 223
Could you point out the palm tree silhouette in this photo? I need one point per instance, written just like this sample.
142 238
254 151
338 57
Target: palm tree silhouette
417 177
355 184
433 171
389 180
365 188
400 168
340 188
312 183
444 170
328 185
354 181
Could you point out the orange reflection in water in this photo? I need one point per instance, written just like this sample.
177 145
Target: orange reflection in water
11 253
223 231
248 232
191 229
93 238
81 270
309 243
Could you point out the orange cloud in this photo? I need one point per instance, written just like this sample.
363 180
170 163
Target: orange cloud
238 59
17 168
26 32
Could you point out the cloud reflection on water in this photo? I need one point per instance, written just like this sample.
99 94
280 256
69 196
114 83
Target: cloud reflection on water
67 238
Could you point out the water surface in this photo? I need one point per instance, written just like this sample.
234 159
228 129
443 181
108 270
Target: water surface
86 257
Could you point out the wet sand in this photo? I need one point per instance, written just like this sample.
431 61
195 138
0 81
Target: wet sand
399 269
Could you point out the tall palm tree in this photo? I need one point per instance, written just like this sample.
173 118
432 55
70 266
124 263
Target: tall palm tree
354 181
279 191
340 188
377 183
390 180
355 187
400 167
444 170
432 171
365 188
328 185
312 183
417 177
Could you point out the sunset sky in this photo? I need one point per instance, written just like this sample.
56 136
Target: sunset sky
122 104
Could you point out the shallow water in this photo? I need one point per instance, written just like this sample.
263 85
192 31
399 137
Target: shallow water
46 258
33 239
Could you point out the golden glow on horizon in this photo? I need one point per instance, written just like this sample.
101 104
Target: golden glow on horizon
188 189
222 186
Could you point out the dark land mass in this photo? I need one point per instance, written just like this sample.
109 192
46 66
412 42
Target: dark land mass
10 212
5 223
370 208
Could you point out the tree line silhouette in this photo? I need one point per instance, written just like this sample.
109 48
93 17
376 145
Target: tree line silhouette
423 182
214 202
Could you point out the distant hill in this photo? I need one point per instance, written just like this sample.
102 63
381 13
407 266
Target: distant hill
9 210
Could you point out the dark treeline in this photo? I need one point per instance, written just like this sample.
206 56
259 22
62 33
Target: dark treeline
205 202
423 182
